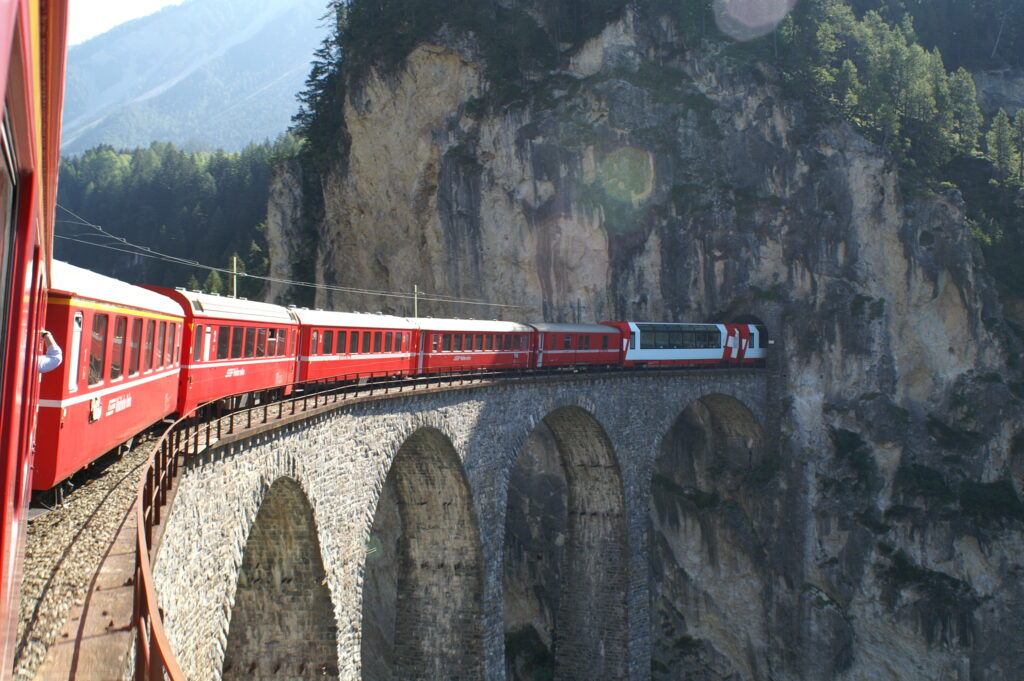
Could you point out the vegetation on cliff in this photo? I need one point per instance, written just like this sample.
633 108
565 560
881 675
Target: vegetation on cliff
195 206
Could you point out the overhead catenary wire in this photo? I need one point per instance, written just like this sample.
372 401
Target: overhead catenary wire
122 245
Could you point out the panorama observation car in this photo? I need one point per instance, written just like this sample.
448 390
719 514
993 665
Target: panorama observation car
647 344
122 346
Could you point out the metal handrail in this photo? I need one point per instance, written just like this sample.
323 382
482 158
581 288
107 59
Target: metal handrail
205 425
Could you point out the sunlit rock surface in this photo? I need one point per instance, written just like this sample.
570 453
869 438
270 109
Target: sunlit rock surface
881 536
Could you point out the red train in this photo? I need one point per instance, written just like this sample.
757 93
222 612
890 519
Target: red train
135 355
32 81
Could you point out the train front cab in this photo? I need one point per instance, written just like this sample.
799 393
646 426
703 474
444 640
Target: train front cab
232 346
120 372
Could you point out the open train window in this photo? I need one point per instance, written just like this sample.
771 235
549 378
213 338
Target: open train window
117 352
97 348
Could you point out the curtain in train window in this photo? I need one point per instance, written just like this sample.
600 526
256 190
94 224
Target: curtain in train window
97 348
117 352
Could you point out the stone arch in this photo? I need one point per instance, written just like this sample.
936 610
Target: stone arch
282 624
702 540
423 578
566 532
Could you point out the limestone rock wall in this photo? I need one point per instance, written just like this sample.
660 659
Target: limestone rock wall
655 180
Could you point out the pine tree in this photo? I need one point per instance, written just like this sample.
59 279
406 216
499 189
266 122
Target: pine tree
967 118
1001 145
213 283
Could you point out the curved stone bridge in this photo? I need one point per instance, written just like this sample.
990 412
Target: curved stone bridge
480 533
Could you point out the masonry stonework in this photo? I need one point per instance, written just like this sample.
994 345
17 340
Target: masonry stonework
450 455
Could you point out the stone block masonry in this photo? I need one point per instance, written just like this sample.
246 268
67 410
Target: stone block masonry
239 584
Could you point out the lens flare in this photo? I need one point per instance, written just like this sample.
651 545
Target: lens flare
749 19
627 175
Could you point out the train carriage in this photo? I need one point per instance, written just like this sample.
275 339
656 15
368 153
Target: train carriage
664 344
568 345
120 371
336 345
232 346
450 345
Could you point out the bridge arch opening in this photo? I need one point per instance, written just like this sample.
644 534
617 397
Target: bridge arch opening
282 624
423 576
565 554
703 545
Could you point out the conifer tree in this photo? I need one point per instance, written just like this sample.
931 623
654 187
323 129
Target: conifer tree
1001 145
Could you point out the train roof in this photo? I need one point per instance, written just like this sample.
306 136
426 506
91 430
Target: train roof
546 327
82 283
356 319
483 326
226 307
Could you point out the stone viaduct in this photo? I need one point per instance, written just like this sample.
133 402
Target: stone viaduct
410 538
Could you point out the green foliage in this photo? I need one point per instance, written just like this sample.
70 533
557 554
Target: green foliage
197 206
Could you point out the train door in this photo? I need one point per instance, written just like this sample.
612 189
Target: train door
540 350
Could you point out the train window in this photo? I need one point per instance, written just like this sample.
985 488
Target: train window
446 343
147 348
97 348
176 339
135 348
328 342
632 341
315 343
586 342
161 339
237 341
435 342
604 342
250 341
458 342
490 342
223 342
75 353
376 341
261 342
275 342
399 337
366 342
340 347
567 343
117 352
197 342
479 344
388 340
353 343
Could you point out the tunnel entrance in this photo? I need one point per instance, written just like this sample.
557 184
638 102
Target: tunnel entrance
565 555
282 625
703 548
423 579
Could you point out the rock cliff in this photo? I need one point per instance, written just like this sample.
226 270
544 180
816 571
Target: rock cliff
879 533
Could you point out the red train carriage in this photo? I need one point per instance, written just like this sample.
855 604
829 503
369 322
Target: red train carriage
467 344
120 372
232 346
32 48
565 345
338 344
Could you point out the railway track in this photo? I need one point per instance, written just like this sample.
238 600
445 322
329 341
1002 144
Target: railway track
64 545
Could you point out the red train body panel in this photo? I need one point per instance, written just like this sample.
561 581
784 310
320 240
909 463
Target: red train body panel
333 344
32 52
568 345
452 345
232 346
120 371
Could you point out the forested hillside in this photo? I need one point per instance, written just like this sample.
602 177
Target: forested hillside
204 207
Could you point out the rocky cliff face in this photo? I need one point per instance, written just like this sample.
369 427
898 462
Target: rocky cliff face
880 535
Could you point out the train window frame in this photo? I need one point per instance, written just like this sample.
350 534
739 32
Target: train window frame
98 348
261 342
237 341
197 342
117 353
249 349
147 346
223 342
135 348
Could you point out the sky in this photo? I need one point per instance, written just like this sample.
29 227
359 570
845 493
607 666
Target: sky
88 18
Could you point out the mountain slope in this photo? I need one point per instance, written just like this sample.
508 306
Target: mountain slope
206 74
